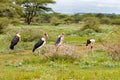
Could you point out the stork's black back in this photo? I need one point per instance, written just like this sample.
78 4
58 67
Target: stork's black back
37 45
14 42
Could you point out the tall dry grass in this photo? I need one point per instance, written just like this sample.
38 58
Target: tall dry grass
64 49
112 44
65 52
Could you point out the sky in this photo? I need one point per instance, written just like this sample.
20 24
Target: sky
86 6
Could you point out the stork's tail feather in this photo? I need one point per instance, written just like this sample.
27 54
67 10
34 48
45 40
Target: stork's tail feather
11 47
33 50
86 44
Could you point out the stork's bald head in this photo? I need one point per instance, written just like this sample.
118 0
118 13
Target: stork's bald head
45 35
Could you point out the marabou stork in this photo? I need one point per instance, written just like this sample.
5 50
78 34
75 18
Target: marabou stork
40 43
59 41
90 42
15 40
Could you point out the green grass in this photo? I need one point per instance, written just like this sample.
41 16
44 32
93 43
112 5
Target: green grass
43 72
95 66
83 64
36 68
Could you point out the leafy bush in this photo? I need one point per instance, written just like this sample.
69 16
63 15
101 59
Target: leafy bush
67 20
30 34
105 20
55 21
116 21
91 23
3 24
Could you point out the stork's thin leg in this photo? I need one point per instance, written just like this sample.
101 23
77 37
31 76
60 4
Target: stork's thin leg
46 49
39 52
57 48
92 49
15 50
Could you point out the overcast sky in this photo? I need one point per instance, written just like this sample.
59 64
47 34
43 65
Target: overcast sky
87 6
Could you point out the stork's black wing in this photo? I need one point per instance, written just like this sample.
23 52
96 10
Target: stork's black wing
38 44
88 42
14 41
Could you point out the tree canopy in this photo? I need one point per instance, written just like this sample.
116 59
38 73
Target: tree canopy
9 9
25 8
34 7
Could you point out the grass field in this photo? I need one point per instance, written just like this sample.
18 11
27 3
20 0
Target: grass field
73 61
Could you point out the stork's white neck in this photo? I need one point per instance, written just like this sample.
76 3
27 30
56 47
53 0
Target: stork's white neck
18 35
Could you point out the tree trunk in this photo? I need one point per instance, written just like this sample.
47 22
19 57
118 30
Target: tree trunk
29 19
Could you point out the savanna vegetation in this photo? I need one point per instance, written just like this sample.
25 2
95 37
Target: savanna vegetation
73 60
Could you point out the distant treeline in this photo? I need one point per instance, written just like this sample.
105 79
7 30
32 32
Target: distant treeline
58 18
16 12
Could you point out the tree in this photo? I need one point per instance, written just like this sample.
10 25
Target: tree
34 7
68 19
87 15
55 21
42 18
100 15
76 18
8 11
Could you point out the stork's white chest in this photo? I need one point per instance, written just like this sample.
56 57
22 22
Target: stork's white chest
43 39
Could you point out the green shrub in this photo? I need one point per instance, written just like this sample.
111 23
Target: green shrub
3 24
105 20
55 21
30 34
91 23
